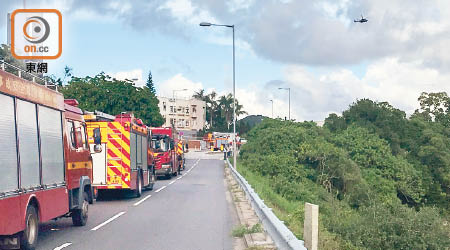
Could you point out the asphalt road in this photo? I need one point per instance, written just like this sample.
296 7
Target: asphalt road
190 211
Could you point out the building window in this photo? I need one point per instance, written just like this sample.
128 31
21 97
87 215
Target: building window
171 109
187 110
187 123
164 106
194 109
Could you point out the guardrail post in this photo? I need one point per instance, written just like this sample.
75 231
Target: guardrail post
19 73
3 66
311 226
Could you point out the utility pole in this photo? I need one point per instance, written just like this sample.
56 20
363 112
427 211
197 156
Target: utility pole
272 107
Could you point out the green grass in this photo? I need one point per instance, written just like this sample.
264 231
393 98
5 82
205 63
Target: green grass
242 230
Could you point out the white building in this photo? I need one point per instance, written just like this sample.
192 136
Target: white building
183 114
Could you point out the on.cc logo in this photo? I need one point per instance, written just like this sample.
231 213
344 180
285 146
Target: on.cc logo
40 29
36 34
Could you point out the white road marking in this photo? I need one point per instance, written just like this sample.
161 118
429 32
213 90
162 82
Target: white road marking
142 200
161 188
108 221
179 177
63 246
170 183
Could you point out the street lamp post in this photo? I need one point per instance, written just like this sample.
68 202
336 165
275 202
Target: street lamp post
272 107
289 90
205 24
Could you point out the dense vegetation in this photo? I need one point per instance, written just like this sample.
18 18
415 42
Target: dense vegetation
247 123
382 180
113 96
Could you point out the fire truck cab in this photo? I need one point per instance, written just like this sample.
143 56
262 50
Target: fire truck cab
46 166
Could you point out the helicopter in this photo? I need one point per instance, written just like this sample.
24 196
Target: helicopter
362 20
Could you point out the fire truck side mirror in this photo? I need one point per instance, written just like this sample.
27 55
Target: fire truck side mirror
97 136
98 148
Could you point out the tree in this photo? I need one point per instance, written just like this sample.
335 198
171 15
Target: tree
225 104
435 107
211 99
380 117
335 123
149 84
200 95
219 111
61 81
5 54
113 96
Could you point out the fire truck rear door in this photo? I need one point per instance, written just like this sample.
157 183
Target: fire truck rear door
99 165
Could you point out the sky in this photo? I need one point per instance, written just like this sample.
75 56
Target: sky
312 47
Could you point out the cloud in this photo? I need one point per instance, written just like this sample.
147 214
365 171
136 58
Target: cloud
293 32
314 96
130 75
178 82
404 45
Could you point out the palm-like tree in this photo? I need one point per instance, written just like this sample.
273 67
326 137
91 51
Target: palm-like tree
212 105
210 102
219 111
226 107
199 95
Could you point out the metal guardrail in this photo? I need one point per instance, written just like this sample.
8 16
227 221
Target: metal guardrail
280 234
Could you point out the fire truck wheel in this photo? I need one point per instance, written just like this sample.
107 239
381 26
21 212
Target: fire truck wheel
175 173
80 216
29 236
169 175
138 190
152 180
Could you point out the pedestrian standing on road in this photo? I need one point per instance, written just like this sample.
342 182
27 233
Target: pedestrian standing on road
225 152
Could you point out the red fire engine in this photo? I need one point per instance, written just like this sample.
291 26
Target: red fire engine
46 166
163 145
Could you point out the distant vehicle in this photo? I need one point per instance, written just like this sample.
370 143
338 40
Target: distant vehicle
46 166
362 20
163 146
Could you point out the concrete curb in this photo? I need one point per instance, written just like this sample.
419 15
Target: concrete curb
247 215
